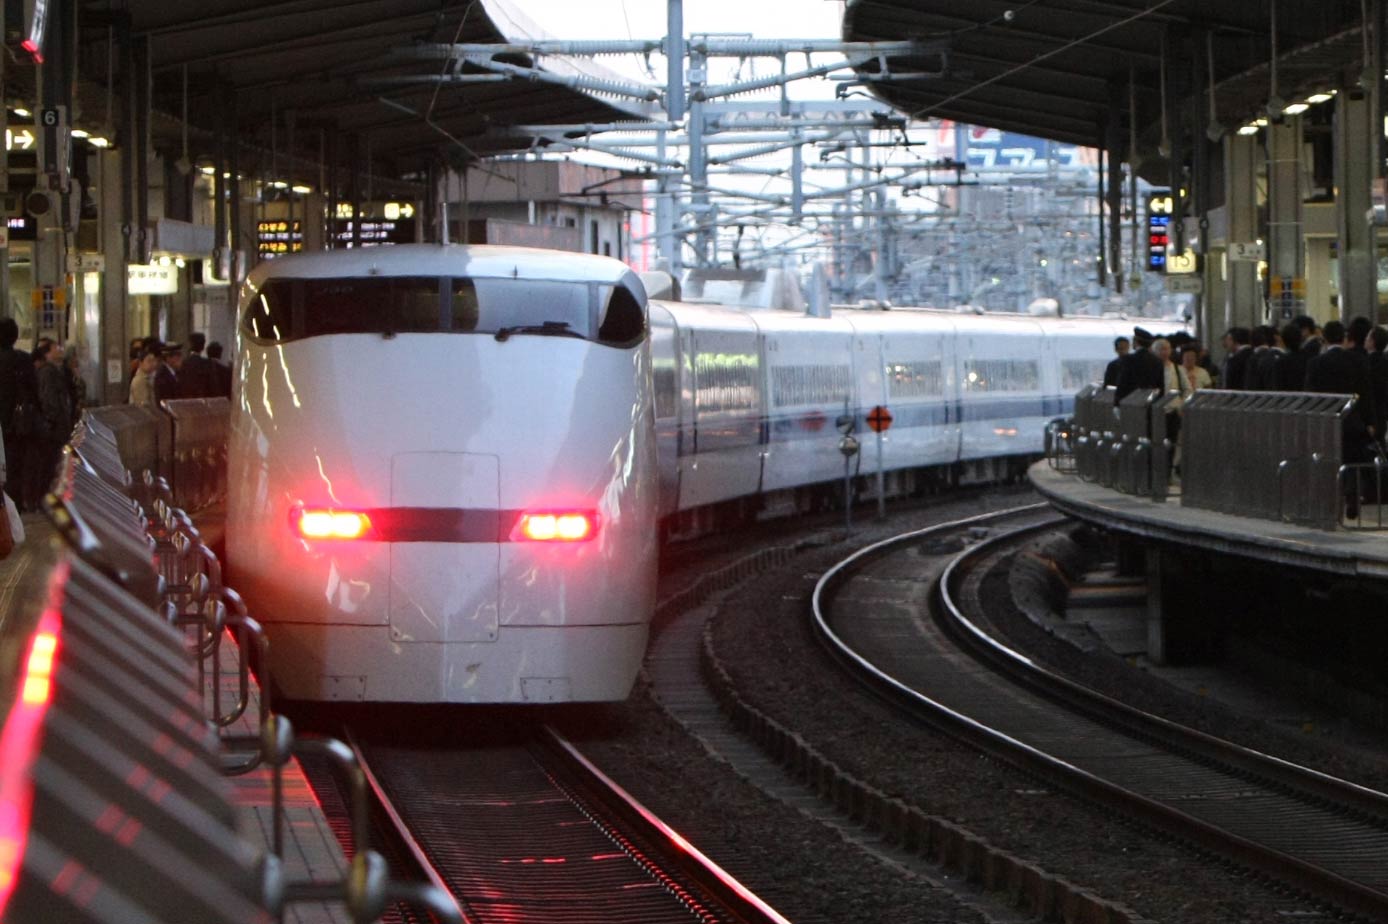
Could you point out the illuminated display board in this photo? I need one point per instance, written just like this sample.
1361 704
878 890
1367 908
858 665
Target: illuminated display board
1159 208
275 237
373 231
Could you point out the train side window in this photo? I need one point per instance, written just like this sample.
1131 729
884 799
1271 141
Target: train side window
623 321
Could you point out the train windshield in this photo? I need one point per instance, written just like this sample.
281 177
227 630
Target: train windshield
293 309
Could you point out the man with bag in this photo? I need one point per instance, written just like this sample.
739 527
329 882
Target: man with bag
55 408
16 406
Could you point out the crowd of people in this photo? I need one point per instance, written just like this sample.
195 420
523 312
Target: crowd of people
1301 356
1338 358
160 371
42 393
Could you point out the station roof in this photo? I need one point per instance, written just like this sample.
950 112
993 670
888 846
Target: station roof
350 66
1060 69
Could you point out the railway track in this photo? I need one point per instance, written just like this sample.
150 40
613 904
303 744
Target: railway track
1303 829
527 830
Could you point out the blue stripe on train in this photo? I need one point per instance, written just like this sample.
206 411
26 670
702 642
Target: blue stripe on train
786 428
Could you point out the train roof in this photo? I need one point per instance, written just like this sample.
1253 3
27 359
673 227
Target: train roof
448 259
899 320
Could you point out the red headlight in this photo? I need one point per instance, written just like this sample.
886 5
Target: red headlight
320 523
556 526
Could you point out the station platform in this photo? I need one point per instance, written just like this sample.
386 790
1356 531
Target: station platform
1344 552
312 851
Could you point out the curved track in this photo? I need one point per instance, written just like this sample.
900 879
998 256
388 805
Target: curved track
1302 828
530 831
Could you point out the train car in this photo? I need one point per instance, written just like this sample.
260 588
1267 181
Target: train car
969 395
443 482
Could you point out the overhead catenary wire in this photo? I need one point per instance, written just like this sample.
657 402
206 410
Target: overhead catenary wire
1043 56
457 37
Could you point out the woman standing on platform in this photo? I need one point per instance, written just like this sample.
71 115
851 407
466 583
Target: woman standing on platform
1175 382
1196 376
142 382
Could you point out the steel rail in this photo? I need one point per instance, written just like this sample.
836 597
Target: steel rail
1297 782
692 880
692 862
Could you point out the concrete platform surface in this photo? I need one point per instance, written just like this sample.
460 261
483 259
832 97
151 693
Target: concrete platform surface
1351 553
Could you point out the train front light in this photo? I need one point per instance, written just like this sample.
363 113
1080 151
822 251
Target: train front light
555 526
317 523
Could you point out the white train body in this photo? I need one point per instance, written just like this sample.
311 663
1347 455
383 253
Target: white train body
747 401
443 439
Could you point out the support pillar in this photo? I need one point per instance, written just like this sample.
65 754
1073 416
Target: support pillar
111 385
666 247
1156 614
701 208
1242 296
1286 245
1354 173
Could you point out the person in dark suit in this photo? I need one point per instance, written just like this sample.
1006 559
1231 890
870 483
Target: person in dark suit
1237 353
1342 370
1141 368
1259 375
197 377
165 376
1290 372
1120 346
13 364
55 407
214 353
1378 378
1311 340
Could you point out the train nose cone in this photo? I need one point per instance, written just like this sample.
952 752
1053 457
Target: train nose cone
445 591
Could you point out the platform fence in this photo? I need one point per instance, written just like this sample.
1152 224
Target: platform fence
141 616
1123 444
1267 455
183 442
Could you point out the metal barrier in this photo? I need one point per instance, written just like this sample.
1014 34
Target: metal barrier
1363 484
184 444
1096 422
1124 446
199 469
1060 445
111 742
1271 455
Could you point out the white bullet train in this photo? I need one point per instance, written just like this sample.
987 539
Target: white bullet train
449 465
442 474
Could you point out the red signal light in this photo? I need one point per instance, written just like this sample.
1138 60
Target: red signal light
326 523
556 526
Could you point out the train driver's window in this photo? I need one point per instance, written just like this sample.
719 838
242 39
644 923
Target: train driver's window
623 321
269 313
463 309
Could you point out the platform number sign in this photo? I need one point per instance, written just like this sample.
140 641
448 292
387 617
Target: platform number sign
53 126
1160 205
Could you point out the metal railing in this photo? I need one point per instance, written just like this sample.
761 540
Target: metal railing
142 592
1363 490
1123 445
1269 455
183 443
1060 445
